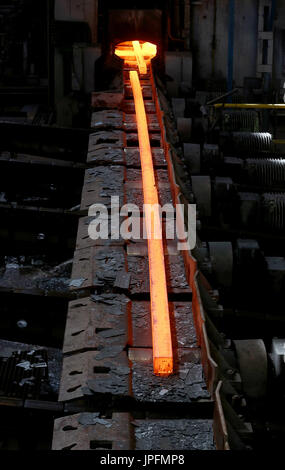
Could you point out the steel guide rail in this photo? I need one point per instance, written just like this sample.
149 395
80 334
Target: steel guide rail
96 362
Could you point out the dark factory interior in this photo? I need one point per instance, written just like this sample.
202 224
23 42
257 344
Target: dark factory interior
120 342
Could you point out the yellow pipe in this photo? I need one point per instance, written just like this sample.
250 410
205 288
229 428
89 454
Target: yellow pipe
250 105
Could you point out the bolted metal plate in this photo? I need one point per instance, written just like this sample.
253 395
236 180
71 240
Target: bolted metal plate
104 154
85 232
109 372
95 372
174 434
99 266
107 99
130 156
103 182
94 321
107 119
100 184
117 120
113 138
88 431
84 241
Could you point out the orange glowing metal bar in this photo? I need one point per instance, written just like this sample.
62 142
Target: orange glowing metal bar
161 333
140 58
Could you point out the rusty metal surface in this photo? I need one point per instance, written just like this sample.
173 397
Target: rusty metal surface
95 373
114 119
139 247
111 372
134 193
182 434
146 91
129 107
107 99
111 138
130 123
183 330
97 267
108 372
24 373
132 243
103 182
94 321
104 154
86 431
83 239
100 184
132 139
107 119
135 175
8 349
23 275
186 385
175 276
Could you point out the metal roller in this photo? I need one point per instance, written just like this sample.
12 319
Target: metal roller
240 120
221 256
265 154
253 142
274 210
202 189
266 171
252 359
184 127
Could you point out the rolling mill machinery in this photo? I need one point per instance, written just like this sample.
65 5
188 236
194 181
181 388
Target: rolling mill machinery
141 345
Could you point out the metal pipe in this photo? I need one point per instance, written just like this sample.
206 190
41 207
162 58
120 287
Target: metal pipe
214 39
250 105
222 96
231 45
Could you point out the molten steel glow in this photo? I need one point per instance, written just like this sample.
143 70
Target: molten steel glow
139 57
129 53
161 333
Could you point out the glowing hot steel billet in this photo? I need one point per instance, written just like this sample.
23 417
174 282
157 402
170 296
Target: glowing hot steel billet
161 333
139 57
